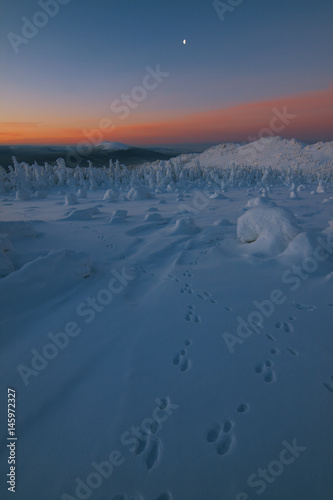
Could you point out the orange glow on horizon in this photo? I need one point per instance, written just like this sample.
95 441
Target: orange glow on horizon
313 119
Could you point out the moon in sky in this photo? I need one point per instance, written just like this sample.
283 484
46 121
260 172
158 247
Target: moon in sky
184 42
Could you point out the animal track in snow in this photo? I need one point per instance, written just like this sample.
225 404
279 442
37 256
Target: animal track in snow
191 316
329 385
172 277
180 359
303 307
266 370
187 274
153 454
140 269
243 408
286 327
151 448
186 289
270 337
292 351
222 436
206 296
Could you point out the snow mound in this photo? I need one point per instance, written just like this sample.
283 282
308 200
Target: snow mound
81 193
153 217
71 199
23 195
40 194
303 245
84 214
222 222
218 196
183 226
268 230
119 216
260 202
111 195
138 193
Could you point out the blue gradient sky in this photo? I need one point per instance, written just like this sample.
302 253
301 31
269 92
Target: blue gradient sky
66 77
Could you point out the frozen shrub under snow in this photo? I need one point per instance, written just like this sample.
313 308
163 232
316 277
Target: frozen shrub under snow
111 195
84 214
23 195
119 216
138 193
40 194
81 193
184 226
153 217
71 199
268 229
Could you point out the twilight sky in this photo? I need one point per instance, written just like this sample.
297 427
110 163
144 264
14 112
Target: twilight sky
118 70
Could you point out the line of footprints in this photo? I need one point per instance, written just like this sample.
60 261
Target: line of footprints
181 360
222 436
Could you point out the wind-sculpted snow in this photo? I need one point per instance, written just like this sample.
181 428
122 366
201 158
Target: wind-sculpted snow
262 163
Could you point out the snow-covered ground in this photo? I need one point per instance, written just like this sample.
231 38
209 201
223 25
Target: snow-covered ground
168 330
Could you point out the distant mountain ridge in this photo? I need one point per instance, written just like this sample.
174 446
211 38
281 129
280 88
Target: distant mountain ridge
99 155
265 152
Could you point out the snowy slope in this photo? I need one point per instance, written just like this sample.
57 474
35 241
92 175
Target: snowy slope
273 152
167 340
